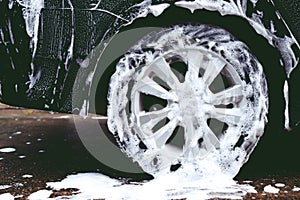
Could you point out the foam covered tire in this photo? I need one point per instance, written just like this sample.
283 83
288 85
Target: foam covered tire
188 94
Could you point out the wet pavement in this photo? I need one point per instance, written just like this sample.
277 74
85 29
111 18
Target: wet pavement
46 149
38 147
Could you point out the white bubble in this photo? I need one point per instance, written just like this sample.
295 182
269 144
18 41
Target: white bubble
7 150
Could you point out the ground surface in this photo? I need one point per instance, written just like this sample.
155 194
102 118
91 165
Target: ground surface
46 148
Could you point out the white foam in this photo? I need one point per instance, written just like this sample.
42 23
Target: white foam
31 12
170 186
19 196
41 194
280 185
7 150
3 187
84 109
7 196
17 133
10 33
33 78
271 189
157 10
18 184
21 157
146 8
247 181
296 189
89 78
27 176
72 39
286 111
254 2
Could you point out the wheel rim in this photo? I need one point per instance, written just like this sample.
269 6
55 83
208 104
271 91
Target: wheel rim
189 103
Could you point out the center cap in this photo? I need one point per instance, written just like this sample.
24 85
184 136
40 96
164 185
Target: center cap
190 98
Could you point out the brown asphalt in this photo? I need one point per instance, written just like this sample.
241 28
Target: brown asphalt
48 148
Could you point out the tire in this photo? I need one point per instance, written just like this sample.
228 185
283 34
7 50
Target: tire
188 94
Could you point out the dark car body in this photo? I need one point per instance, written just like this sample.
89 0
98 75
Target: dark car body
44 46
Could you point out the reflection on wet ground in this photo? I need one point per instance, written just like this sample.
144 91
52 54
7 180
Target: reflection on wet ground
46 148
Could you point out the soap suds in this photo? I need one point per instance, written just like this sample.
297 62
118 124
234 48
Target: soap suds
296 189
280 185
157 10
98 186
7 150
3 187
271 189
27 176
7 196
286 111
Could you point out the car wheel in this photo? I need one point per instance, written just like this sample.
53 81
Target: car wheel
185 94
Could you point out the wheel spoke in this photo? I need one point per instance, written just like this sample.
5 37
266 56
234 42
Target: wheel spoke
230 95
160 158
211 137
163 134
171 151
199 140
189 132
163 70
230 116
191 148
213 69
150 87
149 119
194 60
168 154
